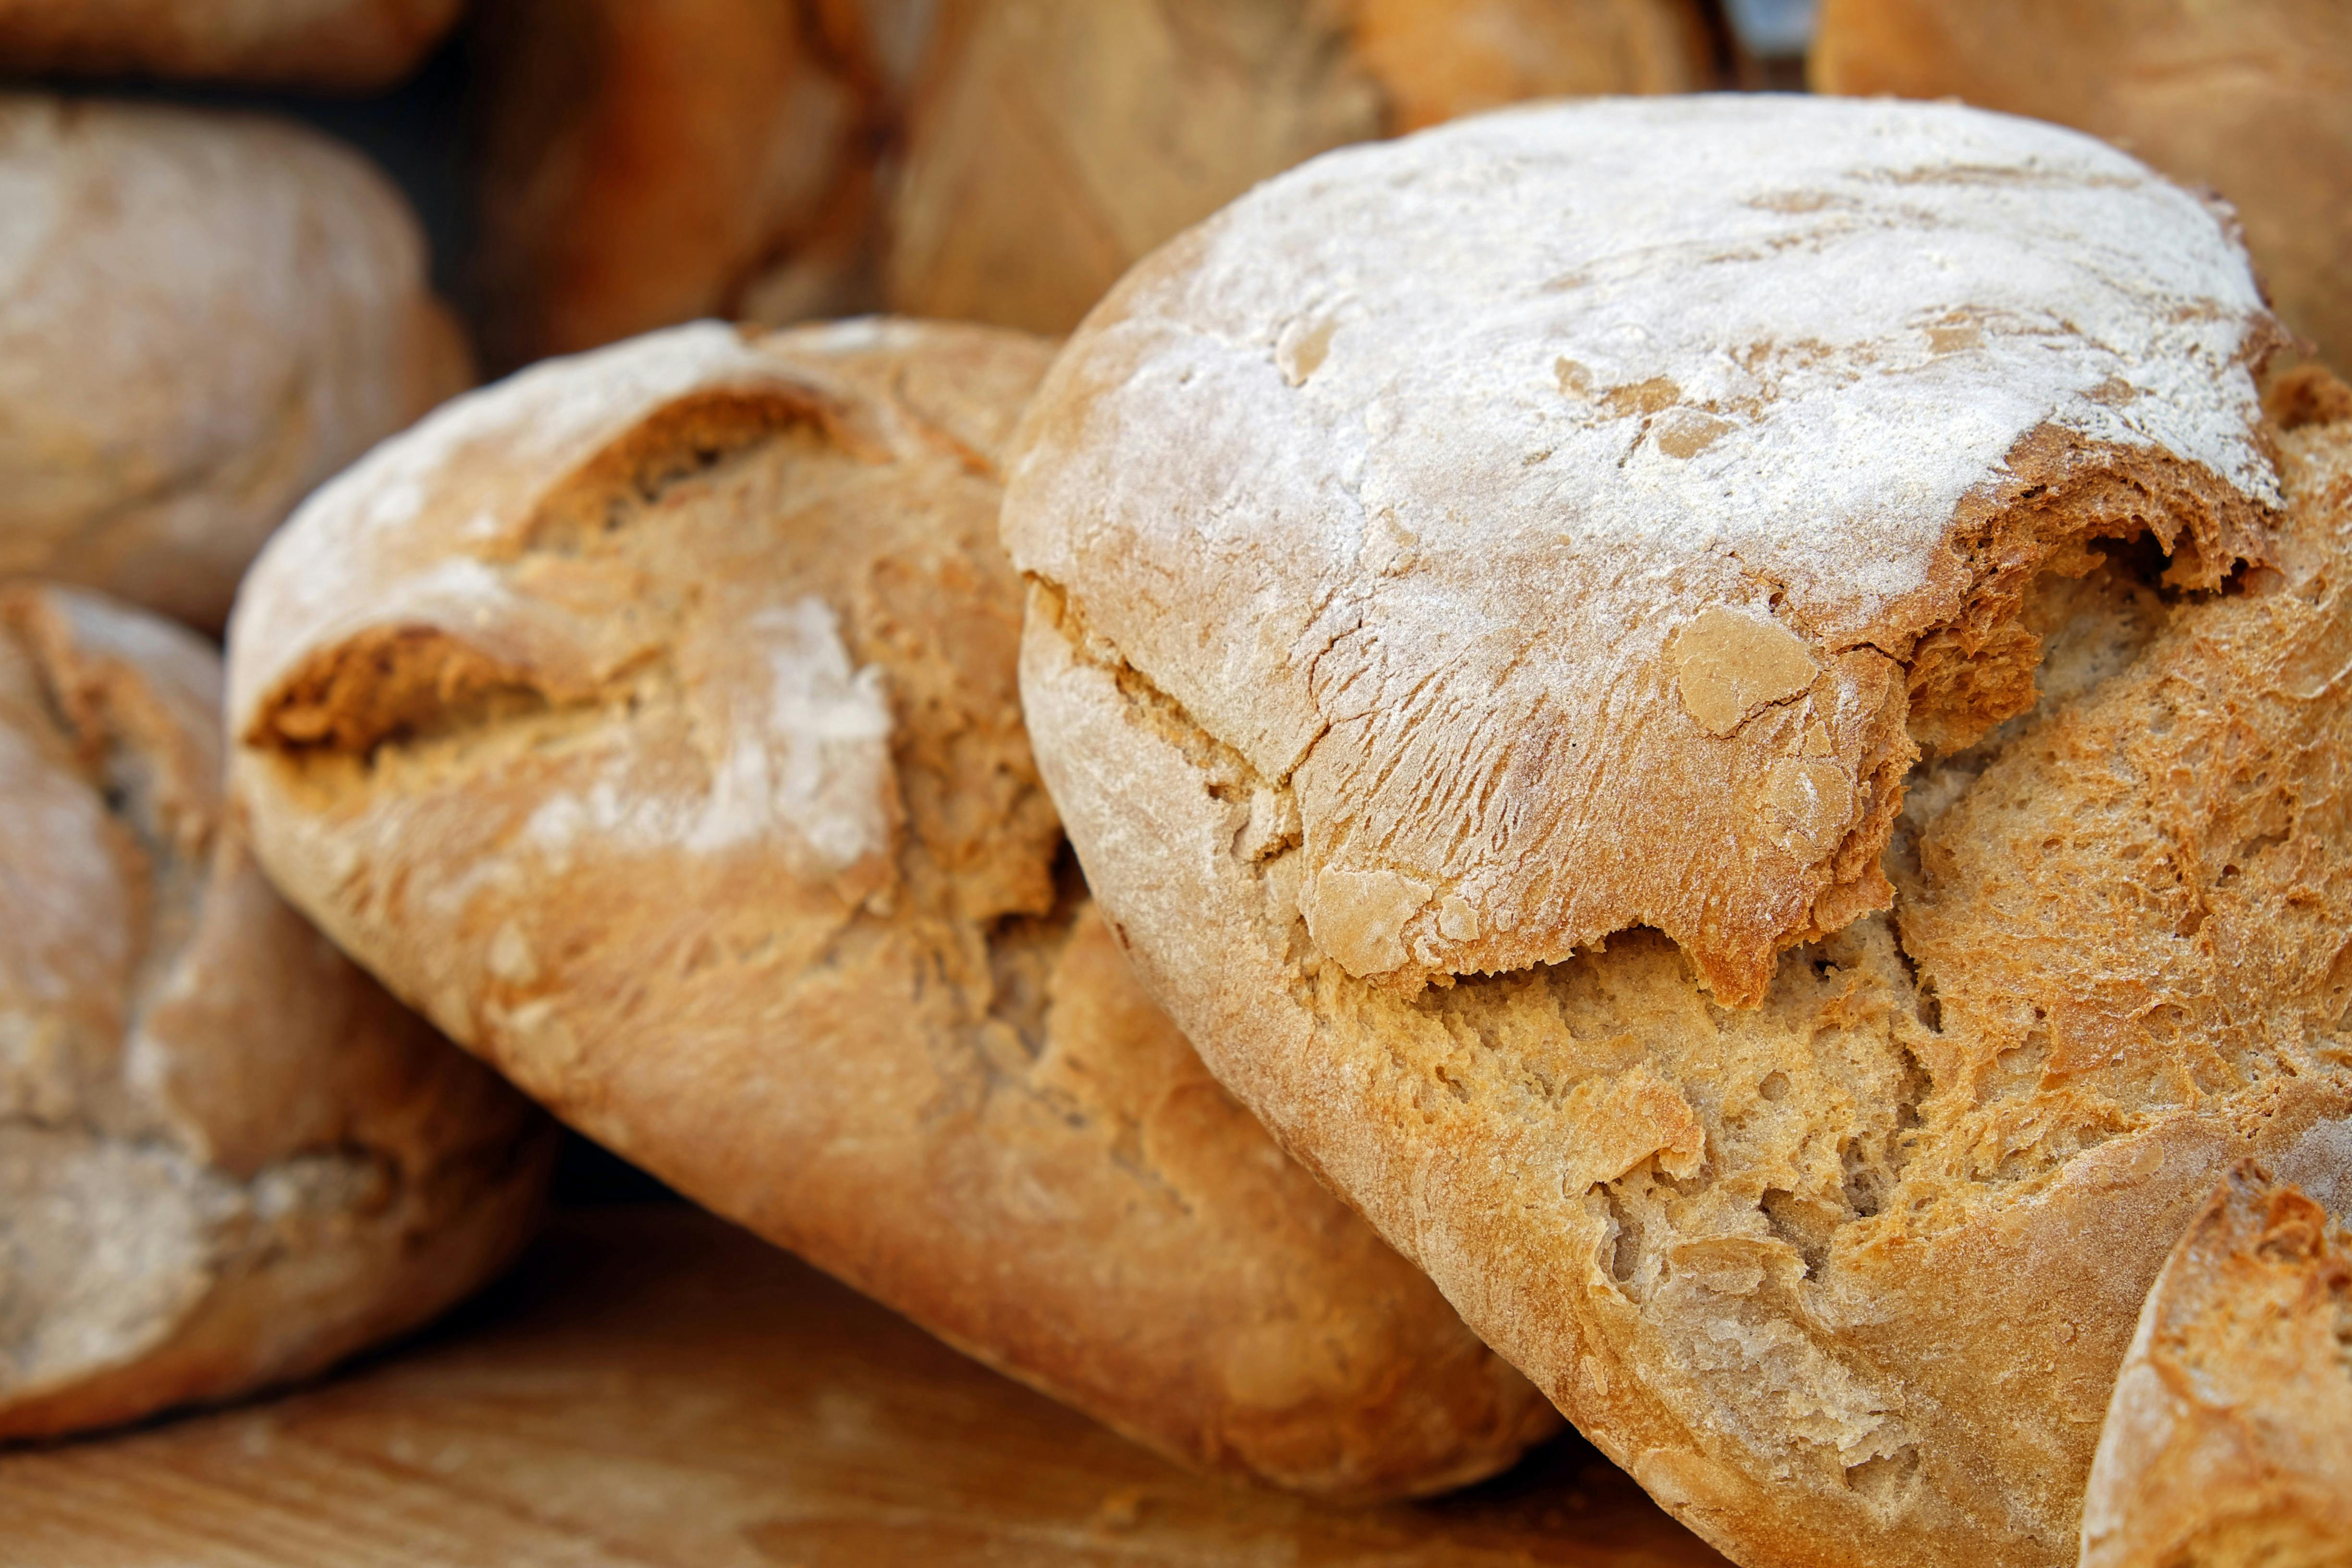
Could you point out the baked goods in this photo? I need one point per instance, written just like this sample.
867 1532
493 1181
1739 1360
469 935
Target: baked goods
647 163
347 44
1053 142
2253 99
202 316
227 1157
649 720
1490 712
2229 1441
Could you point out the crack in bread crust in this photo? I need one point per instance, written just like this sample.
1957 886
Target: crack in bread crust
1846 1274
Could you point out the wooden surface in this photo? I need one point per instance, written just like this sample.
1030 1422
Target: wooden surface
651 1387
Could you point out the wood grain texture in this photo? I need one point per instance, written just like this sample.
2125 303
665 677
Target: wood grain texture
654 1388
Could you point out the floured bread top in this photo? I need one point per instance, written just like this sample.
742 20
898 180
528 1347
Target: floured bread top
1574 516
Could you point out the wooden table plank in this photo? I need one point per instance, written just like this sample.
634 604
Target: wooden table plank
653 1389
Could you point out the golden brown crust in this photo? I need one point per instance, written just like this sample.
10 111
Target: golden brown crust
279 1164
2229 1441
1844 1276
204 316
2253 99
662 741
1052 143
351 46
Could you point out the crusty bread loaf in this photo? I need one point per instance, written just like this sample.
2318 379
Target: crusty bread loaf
646 164
1053 142
2229 1441
202 316
227 1157
649 719
1462 698
2253 99
347 44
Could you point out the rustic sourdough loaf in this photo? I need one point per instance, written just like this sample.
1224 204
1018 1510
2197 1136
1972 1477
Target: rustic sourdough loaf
345 45
650 721
227 1157
1727 712
202 316
2229 1441
1053 142
2253 99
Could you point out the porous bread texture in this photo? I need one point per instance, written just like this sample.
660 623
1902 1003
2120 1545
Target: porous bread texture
227 1159
1538 479
1839 1266
351 45
1051 143
650 720
2253 99
201 317
646 165
2229 1441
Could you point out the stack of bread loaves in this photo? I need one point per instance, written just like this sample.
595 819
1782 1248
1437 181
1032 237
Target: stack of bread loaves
227 1157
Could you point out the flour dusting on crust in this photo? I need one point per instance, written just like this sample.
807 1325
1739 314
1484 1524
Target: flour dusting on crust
1405 476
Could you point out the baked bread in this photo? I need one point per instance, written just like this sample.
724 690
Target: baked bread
645 164
1053 142
2229 1441
650 721
2253 99
353 46
1749 775
227 1157
202 316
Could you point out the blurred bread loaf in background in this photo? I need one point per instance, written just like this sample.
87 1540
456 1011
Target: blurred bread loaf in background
340 45
998 160
650 720
228 1158
203 315
2252 97
648 162
2229 1441
1053 142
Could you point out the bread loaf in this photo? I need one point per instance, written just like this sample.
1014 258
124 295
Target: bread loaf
1751 777
646 164
1053 142
351 45
2253 99
202 316
2229 1441
227 1157
649 720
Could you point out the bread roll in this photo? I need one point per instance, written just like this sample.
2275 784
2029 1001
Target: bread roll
1751 778
648 162
2229 1441
649 720
351 45
227 1157
202 316
2253 99
1053 142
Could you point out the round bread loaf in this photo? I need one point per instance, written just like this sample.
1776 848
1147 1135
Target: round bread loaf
2229 1441
645 164
2253 99
202 316
351 46
650 721
1725 712
1052 142
227 1157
